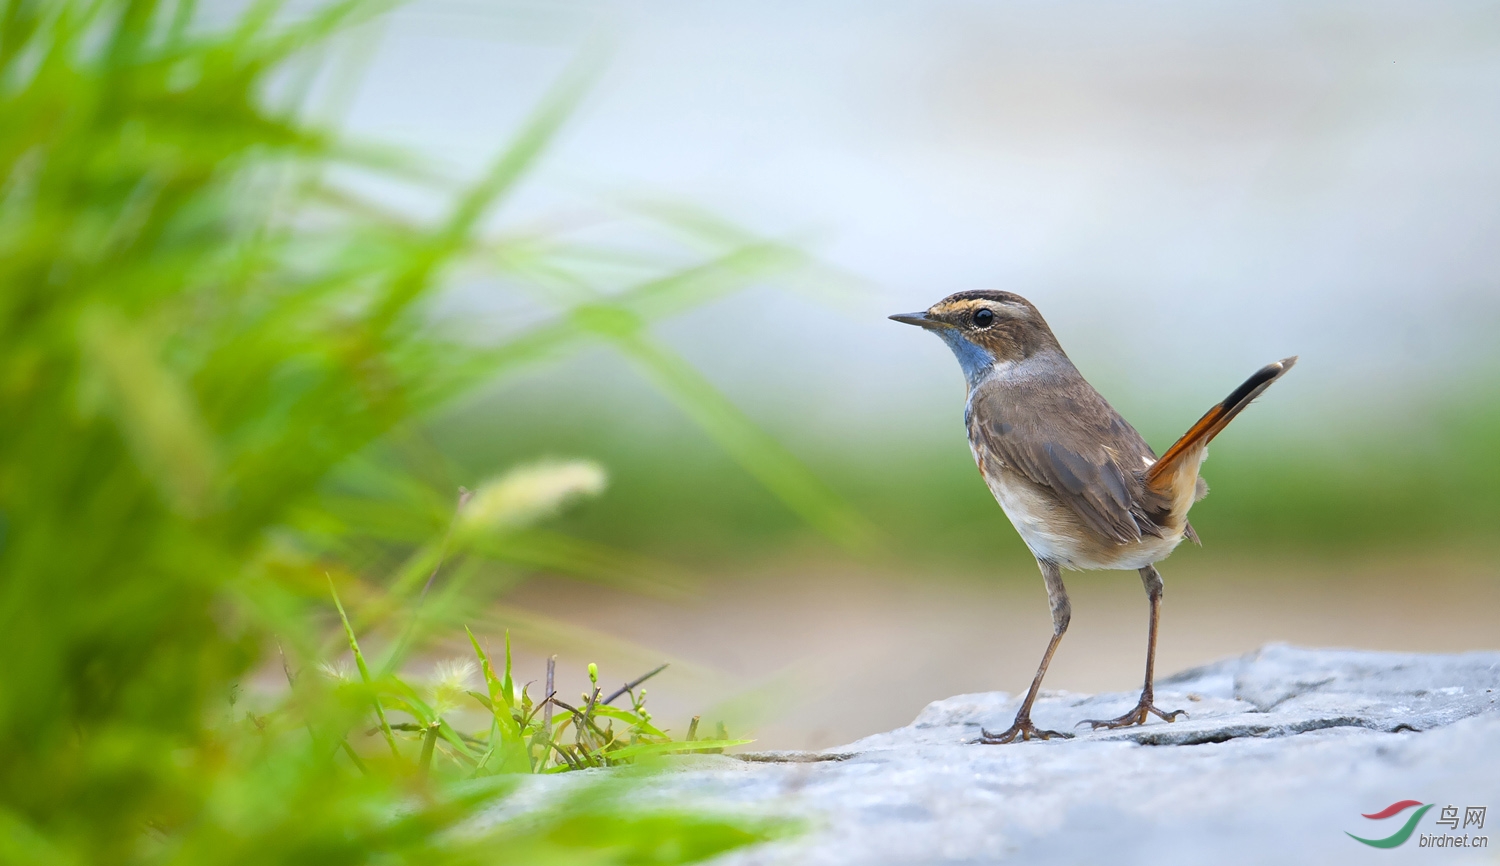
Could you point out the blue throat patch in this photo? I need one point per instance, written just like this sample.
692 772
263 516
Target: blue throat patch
974 359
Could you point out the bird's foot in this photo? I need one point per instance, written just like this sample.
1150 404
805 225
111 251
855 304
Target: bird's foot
1022 729
1143 710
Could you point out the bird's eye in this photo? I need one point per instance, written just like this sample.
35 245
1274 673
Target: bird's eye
984 318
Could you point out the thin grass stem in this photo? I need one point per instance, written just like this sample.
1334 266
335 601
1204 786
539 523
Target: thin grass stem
364 671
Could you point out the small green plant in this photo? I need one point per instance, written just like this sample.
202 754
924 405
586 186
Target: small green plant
525 734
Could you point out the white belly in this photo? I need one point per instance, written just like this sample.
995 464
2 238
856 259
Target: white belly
1053 532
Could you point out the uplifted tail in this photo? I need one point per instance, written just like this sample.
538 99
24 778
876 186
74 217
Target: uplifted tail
1197 438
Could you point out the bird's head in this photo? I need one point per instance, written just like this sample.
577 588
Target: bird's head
985 327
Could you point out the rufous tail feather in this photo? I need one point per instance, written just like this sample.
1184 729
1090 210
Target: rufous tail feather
1200 434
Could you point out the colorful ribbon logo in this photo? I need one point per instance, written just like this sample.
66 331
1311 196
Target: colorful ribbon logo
1401 835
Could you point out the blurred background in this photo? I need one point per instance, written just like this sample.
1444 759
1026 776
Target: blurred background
357 358
1186 191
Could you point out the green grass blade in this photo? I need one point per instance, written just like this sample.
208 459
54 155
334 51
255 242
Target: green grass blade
354 758
429 740
755 450
629 718
490 682
508 685
641 750
514 755
523 152
364 671
453 739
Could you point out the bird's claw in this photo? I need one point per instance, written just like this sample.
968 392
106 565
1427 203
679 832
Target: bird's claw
1022 729
1143 710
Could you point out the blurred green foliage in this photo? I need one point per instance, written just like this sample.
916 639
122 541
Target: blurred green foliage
1342 488
215 366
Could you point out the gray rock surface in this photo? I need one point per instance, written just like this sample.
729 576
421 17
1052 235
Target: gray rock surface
1282 752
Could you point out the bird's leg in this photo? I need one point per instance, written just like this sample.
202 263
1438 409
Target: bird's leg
1145 708
1062 612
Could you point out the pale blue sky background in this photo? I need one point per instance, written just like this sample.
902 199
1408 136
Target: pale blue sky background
1187 190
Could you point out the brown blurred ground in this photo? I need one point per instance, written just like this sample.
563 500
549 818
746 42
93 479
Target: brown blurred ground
807 655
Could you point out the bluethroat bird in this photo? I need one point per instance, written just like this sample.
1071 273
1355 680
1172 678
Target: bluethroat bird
1080 485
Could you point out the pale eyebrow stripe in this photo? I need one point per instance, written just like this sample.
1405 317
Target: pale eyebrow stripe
967 304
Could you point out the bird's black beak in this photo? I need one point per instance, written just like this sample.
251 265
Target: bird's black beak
921 320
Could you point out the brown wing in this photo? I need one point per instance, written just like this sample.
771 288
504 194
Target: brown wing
1066 437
